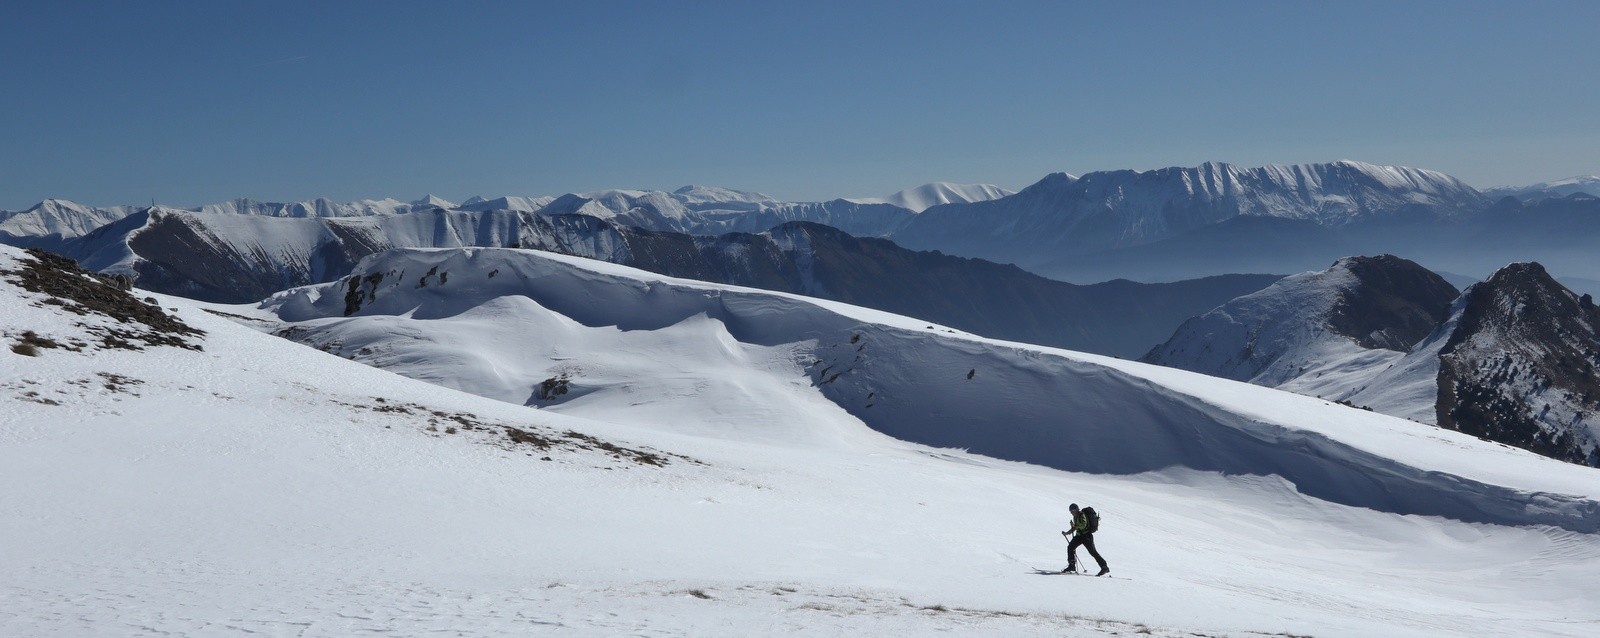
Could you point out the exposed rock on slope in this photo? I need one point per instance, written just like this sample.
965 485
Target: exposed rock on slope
1520 366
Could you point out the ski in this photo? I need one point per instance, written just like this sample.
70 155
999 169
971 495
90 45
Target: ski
1057 572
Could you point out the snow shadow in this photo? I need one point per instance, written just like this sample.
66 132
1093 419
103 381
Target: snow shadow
1038 408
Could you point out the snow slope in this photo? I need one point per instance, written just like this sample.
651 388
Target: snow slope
259 486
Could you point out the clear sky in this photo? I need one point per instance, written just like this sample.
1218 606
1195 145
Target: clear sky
193 102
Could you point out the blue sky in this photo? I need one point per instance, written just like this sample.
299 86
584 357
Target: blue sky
195 102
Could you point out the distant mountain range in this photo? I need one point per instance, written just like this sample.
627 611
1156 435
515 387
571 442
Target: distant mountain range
1062 214
1513 359
1160 225
1583 184
701 210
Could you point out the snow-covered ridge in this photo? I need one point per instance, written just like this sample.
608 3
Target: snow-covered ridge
928 195
454 316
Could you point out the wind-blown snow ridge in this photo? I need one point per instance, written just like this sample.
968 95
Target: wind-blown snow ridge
924 384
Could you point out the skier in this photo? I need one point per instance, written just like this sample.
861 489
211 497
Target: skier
1084 524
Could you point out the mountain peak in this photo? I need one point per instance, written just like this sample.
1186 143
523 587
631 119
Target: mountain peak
1520 367
698 194
932 194
431 201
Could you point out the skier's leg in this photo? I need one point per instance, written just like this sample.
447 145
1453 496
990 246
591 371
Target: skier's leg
1072 553
1088 543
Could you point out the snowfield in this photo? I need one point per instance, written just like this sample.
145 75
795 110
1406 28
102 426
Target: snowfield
702 475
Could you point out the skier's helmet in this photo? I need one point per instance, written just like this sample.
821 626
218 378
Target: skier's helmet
1073 507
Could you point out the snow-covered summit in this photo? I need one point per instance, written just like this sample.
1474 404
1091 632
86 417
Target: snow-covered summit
926 196
507 202
57 218
694 194
432 201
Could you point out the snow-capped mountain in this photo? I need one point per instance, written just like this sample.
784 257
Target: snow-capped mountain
1104 210
52 220
1512 359
200 489
323 207
695 195
518 204
1585 184
928 195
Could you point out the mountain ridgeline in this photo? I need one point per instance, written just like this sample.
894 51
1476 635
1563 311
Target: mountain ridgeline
241 258
1513 359
1159 225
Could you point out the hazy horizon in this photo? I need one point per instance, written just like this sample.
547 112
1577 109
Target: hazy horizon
195 103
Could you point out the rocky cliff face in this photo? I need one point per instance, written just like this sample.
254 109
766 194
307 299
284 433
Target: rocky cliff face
1520 366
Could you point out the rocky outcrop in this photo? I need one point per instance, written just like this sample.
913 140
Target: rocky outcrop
1520 366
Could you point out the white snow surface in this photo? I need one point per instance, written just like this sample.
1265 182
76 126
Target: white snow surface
927 196
256 486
